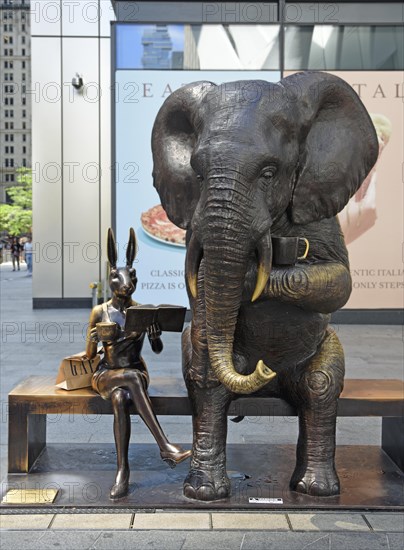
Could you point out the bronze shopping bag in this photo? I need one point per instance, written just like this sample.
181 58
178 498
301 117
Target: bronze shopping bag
76 371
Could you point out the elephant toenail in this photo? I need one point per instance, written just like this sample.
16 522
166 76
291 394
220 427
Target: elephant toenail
206 492
189 491
301 487
335 489
222 492
319 489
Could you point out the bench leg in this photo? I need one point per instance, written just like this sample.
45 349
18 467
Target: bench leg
26 438
393 439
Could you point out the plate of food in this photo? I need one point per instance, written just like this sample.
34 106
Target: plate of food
157 226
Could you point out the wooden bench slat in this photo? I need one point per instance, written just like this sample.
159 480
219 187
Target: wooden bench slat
44 386
37 396
360 397
355 388
375 390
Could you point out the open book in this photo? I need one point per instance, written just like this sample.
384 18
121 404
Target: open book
169 318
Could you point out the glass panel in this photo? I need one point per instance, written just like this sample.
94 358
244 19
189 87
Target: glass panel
328 47
197 47
148 46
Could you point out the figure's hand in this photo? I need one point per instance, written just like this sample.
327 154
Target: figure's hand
153 332
93 336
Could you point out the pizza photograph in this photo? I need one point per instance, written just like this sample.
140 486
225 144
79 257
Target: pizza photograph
157 226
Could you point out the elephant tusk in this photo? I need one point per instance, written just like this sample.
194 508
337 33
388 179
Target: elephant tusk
193 287
264 247
192 263
262 280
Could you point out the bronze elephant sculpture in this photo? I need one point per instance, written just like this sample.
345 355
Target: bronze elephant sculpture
240 165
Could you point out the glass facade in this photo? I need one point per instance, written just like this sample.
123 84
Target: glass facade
257 47
198 47
344 47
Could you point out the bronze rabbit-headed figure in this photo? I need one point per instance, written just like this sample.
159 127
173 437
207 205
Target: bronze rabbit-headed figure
122 374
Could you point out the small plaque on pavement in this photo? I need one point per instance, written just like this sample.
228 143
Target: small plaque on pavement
259 500
30 496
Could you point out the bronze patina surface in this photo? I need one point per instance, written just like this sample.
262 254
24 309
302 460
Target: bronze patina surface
122 375
236 165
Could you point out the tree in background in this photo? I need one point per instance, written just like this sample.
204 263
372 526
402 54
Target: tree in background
16 218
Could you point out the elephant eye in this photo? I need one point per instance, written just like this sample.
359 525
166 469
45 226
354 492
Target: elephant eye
199 177
268 172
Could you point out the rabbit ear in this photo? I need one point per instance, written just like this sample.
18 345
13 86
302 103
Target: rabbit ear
131 249
111 249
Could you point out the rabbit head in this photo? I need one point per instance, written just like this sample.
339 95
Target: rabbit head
122 280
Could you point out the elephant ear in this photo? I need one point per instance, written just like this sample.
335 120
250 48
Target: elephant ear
339 144
173 140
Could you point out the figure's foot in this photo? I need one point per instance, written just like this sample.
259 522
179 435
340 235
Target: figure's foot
207 485
120 489
320 481
174 454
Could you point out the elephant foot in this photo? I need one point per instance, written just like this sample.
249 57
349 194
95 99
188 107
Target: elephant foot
207 485
320 481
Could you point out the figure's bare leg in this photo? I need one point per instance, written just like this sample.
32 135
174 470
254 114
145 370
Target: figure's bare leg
314 390
172 454
120 405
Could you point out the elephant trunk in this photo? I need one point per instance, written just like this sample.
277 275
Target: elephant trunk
225 261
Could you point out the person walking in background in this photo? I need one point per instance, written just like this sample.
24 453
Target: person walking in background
28 255
16 248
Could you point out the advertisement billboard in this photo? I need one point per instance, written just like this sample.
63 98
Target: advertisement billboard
372 221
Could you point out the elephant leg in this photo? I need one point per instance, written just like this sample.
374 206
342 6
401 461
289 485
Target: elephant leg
207 478
314 390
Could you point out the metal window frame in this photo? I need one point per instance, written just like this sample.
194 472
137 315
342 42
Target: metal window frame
282 11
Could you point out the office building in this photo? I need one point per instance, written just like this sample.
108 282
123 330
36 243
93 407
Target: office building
15 112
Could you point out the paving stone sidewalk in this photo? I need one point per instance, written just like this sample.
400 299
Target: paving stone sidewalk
34 341
202 530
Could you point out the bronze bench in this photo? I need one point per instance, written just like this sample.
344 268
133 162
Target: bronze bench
37 396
